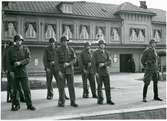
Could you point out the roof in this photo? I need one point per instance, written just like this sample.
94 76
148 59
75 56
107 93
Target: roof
89 9
131 8
161 15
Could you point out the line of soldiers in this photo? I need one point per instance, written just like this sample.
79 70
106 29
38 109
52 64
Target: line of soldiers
59 62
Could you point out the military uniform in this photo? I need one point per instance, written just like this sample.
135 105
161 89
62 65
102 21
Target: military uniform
150 62
87 65
50 55
10 78
67 55
20 54
102 57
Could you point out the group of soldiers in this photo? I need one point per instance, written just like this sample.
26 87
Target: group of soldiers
59 62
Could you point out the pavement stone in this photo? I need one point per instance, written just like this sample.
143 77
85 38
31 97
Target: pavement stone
126 92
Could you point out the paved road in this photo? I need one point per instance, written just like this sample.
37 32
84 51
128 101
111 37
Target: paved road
126 91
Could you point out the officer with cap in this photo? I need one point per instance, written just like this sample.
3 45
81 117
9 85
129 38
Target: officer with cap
19 57
86 65
150 62
67 58
10 76
101 62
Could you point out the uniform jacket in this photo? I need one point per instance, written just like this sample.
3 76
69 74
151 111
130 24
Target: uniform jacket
86 57
100 57
21 54
150 59
50 54
66 55
7 66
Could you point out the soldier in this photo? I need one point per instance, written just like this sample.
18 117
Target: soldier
10 76
67 59
19 57
150 63
101 61
87 71
50 61
52 69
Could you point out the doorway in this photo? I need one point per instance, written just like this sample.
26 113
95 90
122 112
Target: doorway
124 62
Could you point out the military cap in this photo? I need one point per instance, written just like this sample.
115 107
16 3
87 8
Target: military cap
18 37
101 42
87 44
52 40
64 38
152 41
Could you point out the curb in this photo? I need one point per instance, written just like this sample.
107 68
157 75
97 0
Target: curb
156 112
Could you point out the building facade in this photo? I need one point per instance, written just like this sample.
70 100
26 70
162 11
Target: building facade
126 28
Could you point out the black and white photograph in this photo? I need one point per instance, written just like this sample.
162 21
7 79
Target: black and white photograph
83 60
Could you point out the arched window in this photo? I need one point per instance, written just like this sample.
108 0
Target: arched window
133 35
157 35
141 36
99 34
30 30
10 30
50 32
67 32
115 34
84 33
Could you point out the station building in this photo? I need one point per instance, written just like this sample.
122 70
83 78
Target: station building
126 28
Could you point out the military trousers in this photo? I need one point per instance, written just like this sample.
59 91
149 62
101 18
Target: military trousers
10 81
69 78
60 85
85 77
49 77
103 79
26 89
148 76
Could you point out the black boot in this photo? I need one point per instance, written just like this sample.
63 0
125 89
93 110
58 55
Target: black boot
32 108
144 99
15 107
110 102
74 104
158 99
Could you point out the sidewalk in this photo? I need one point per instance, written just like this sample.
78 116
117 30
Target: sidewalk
126 92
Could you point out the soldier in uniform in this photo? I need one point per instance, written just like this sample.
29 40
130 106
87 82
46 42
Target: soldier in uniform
50 61
67 59
10 76
19 57
150 62
52 69
87 71
101 61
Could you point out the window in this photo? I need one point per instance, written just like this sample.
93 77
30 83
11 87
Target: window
10 29
157 35
115 34
50 31
67 8
84 32
137 34
100 33
30 30
68 31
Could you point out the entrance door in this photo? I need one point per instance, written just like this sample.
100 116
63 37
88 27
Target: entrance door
124 64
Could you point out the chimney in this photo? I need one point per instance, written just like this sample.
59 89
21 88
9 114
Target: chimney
143 4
